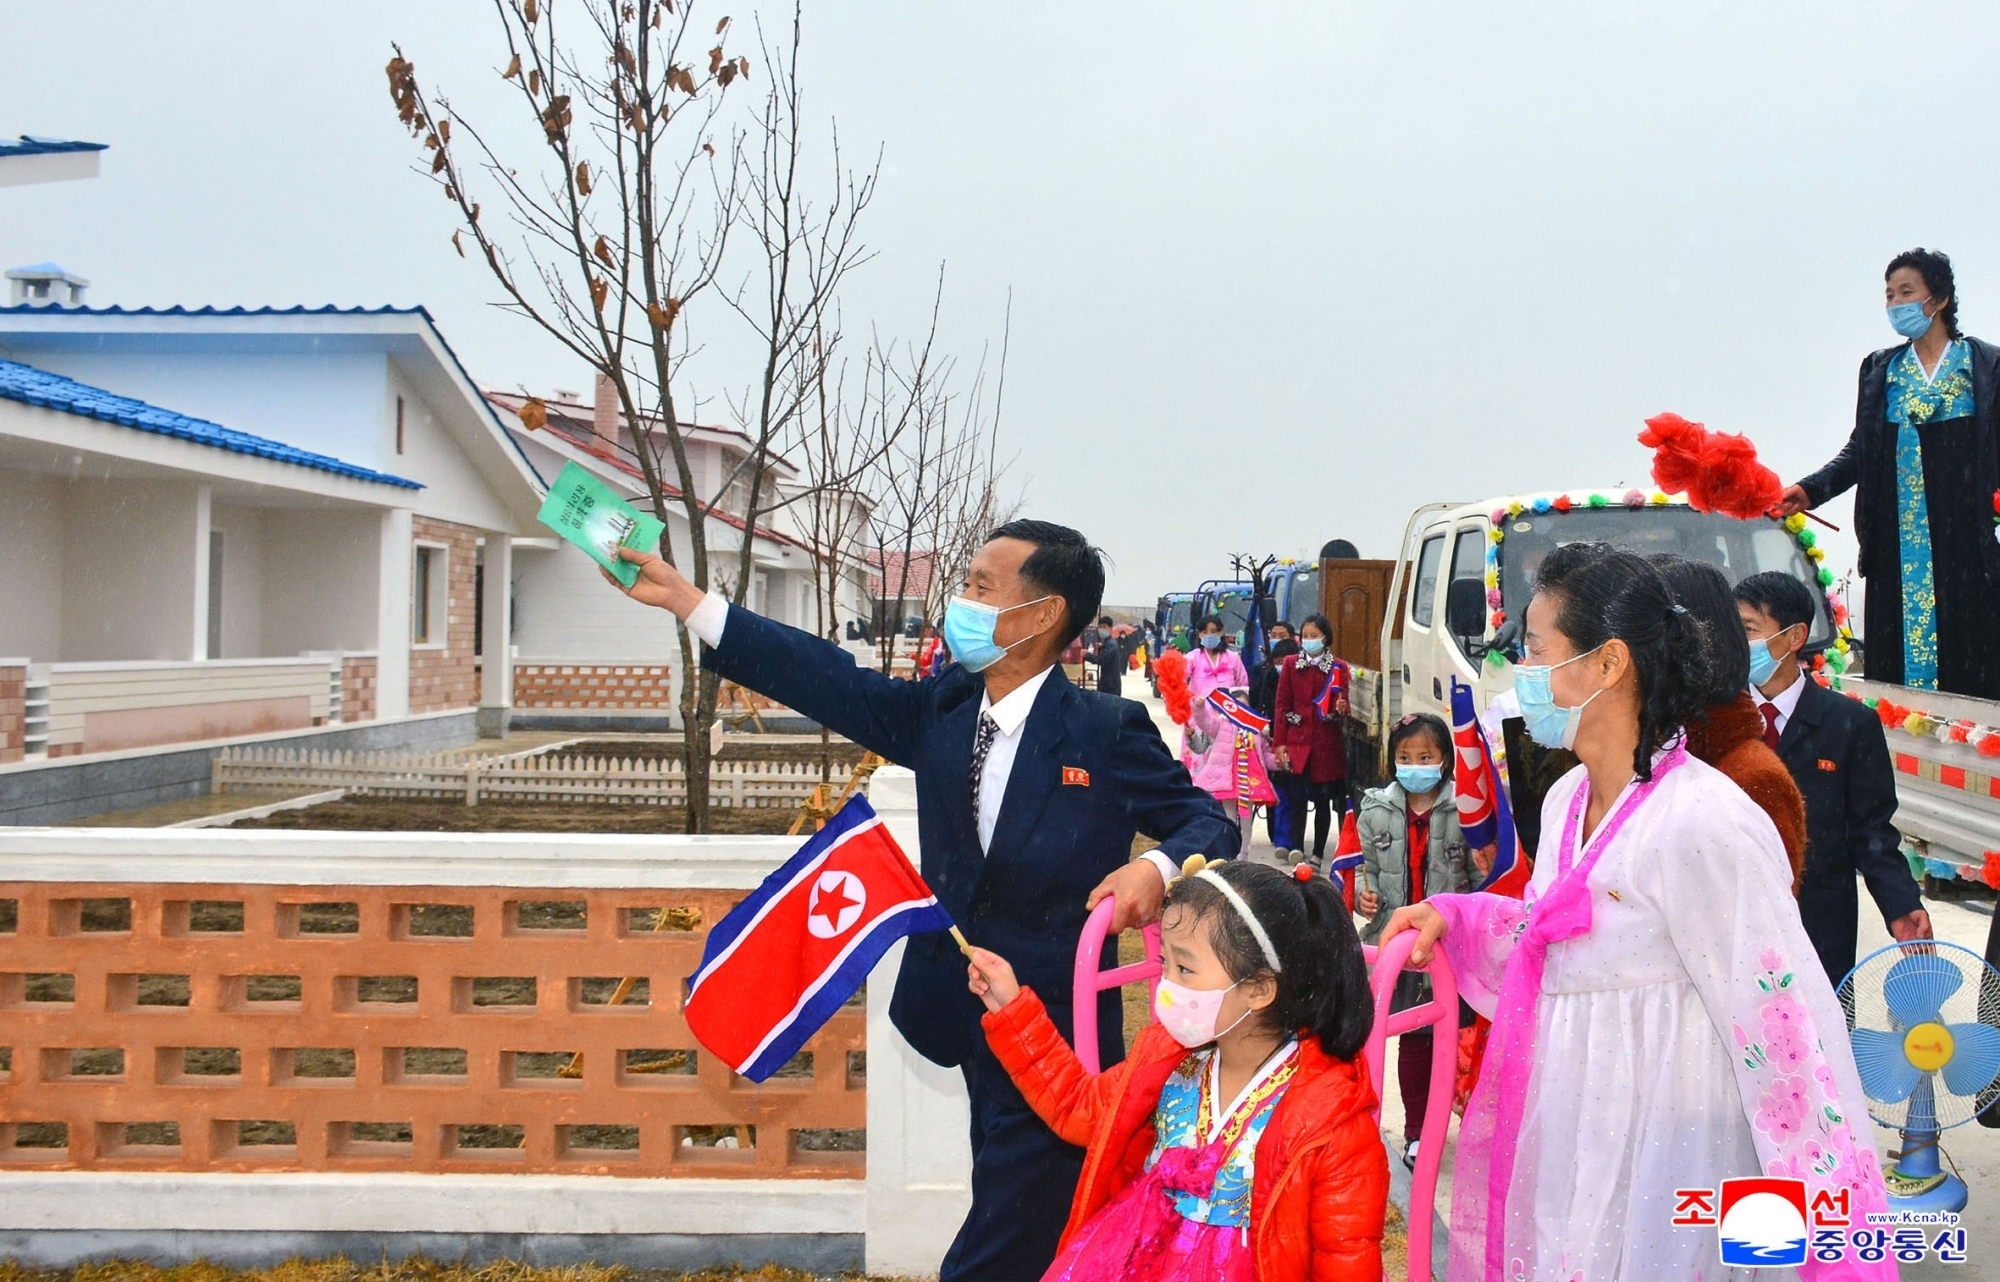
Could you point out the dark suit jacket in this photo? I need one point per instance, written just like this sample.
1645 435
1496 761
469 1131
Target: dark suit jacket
1867 463
1090 772
1838 755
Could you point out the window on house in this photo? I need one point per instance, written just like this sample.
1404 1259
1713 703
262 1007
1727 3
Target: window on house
399 425
427 595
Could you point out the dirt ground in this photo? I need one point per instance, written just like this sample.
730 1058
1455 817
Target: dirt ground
399 814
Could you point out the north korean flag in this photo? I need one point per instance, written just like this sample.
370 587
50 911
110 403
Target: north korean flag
1238 713
785 959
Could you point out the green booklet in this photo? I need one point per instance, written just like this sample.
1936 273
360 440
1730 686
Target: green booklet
584 510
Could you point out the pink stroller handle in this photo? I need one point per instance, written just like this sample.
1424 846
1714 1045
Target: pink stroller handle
1441 1014
1090 981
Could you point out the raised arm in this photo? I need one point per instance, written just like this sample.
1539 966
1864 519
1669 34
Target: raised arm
806 674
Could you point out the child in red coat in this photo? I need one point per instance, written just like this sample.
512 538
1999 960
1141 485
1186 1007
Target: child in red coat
1237 1142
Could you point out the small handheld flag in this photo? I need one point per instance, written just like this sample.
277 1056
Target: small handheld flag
1348 858
1483 813
1238 713
1330 694
785 959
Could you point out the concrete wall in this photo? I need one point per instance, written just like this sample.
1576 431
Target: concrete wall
57 792
132 555
242 530
106 707
31 532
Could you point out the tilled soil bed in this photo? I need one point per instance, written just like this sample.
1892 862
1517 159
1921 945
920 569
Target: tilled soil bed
409 814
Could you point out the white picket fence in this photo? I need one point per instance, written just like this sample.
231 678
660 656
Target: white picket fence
616 780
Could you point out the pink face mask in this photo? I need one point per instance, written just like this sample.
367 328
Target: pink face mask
1190 1014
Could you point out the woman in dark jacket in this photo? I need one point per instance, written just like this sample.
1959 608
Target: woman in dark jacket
1309 733
1924 464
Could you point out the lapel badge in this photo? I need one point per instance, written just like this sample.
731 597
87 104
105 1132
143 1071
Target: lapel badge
1827 766
1076 776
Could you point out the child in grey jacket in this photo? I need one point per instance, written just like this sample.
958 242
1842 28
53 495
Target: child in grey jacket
1416 809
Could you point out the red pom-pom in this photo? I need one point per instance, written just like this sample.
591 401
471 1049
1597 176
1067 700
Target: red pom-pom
1990 871
1989 746
1302 871
1718 472
1171 669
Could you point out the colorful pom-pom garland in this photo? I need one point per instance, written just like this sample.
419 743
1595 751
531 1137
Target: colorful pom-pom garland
1828 666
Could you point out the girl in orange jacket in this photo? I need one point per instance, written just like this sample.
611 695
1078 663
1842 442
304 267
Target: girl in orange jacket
1237 1141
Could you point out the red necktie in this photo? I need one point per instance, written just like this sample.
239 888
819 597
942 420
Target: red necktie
1770 711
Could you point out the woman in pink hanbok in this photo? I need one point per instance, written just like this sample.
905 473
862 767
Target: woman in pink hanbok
1659 1019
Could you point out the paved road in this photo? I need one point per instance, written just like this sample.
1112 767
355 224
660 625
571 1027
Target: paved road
1972 1149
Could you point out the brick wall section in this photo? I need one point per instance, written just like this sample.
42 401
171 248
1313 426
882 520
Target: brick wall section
13 712
382 1028
441 679
647 686
357 687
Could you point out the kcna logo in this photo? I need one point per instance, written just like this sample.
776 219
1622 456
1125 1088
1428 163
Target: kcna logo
1760 1222
837 900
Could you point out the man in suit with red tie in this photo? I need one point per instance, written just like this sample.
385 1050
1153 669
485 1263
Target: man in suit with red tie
1029 792
1839 757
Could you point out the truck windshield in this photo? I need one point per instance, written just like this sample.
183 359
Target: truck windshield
1738 548
1232 606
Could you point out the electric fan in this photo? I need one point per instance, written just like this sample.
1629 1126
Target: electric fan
1925 1019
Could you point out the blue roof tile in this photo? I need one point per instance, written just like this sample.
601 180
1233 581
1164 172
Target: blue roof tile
29 145
33 386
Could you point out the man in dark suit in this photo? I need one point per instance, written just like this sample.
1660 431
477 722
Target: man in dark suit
1839 757
1029 792
1108 654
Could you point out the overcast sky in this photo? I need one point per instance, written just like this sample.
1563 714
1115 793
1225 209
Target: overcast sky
1277 278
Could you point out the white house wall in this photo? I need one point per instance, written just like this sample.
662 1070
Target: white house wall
242 530
31 581
322 574
454 487
327 402
129 568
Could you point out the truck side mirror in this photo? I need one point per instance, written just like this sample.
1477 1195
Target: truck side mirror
1465 609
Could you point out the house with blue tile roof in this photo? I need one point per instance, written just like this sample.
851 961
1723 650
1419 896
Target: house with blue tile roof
220 522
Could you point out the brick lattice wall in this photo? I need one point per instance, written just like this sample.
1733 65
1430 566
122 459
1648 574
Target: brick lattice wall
593 685
441 679
267 1028
357 687
13 712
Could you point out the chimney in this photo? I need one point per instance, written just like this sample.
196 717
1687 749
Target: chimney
604 416
45 285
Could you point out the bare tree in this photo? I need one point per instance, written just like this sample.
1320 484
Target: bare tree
621 183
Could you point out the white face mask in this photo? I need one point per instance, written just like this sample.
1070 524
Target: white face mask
1190 1015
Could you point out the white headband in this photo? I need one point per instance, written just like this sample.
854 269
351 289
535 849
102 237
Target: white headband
1213 877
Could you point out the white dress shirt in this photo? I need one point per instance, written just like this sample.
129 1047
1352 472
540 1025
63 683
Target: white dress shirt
1786 702
708 620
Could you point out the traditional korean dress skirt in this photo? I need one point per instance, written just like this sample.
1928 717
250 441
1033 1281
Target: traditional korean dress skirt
1187 1218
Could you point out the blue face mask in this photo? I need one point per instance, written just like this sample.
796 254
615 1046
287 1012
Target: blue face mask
968 630
1419 779
1211 640
1763 664
1547 723
1312 645
1908 319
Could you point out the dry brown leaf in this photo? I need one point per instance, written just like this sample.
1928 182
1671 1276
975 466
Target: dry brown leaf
535 82
722 26
437 161
708 147
583 176
556 117
534 415
603 251
663 317
727 74
600 289
455 244
513 68
451 193
744 64
531 11
444 132
714 60
623 55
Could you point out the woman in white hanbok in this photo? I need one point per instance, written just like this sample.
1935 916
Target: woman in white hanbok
1660 1020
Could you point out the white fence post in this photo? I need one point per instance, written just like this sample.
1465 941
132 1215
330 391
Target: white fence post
919 1146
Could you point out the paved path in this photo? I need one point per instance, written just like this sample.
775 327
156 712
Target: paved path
1972 1148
